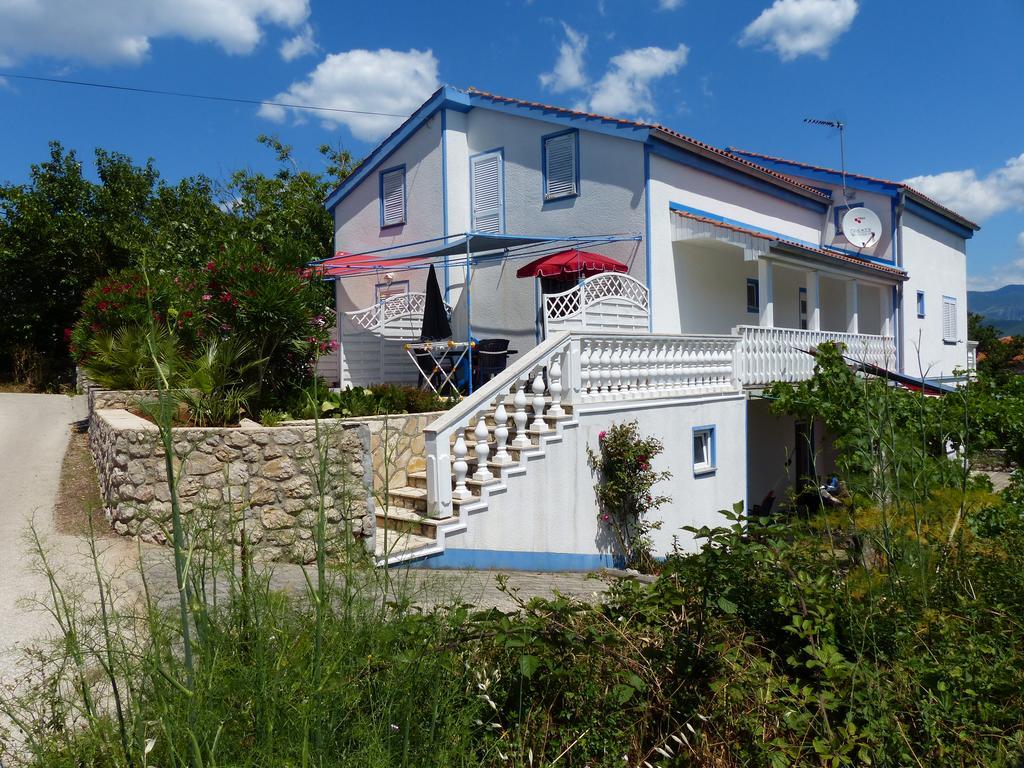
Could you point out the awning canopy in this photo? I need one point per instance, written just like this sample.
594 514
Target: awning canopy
571 263
406 256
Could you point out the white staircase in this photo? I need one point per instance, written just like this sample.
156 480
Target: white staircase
489 439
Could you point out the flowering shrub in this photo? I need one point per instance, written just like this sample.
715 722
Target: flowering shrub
625 481
273 310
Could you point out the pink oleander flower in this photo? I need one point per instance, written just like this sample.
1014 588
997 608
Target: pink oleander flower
601 435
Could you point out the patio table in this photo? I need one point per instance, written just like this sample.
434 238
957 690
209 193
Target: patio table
439 361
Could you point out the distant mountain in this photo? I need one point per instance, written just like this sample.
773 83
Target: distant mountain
1003 307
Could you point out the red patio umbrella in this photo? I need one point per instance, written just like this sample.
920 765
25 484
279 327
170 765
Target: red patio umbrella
571 263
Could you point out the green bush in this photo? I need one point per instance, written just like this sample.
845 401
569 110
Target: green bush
279 316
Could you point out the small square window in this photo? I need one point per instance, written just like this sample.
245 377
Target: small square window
920 303
703 450
753 296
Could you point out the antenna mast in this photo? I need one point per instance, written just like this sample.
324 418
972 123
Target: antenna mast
841 126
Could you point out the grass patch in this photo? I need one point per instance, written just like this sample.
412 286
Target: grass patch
79 497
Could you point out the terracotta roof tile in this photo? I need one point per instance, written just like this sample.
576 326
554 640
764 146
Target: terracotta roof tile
793 244
890 182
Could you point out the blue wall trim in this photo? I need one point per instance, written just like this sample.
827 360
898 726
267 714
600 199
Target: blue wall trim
745 225
516 560
647 236
714 451
405 196
796 169
597 124
444 194
544 165
445 96
693 160
888 188
914 207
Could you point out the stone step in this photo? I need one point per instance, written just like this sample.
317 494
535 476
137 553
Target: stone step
417 479
405 520
399 543
408 497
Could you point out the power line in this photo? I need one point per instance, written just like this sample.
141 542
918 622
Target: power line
203 96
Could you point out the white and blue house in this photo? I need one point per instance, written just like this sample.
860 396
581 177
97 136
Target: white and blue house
734 265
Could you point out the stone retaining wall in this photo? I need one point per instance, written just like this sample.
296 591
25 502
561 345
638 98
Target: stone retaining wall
396 443
262 476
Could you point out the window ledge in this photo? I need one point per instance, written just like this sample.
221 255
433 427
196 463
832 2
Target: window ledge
950 343
704 471
566 196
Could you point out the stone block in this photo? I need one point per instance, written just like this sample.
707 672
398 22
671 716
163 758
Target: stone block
143 493
287 437
237 439
279 469
298 488
202 464
262 491
275 519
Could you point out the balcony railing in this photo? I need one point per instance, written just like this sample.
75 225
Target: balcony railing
766 355
567 370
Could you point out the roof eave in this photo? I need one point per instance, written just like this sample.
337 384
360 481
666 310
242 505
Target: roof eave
747 167
949 213
795 249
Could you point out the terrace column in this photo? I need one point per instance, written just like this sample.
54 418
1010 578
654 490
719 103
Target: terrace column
852 306
885 302
813 301
766 293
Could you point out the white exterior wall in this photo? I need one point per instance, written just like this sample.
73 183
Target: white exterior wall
552 508
672 182
610 201
936 262
710 287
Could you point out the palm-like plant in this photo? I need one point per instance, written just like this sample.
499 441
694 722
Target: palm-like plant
218 383
124 359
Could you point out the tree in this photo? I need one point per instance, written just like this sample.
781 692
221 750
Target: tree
61 232
998 357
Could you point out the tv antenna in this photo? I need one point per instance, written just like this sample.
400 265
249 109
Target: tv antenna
841 127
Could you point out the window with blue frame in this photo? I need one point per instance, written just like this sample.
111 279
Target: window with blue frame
753 295
920 303
560 161
392 197
703 450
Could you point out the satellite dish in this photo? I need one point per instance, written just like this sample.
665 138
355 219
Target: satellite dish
862 227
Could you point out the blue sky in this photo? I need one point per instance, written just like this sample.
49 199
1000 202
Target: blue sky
930 89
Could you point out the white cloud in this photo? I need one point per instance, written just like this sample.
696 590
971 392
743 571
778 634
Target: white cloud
394 82
625 89
974 197
568 70
793 28
120 31
302 44
670 5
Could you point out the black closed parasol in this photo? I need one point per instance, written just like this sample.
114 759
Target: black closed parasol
435 316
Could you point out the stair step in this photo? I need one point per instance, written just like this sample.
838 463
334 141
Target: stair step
399 543
405 520
408 497
417 479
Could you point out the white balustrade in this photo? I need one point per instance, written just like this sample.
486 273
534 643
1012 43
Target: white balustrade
567 370
501 454
482 434
767 355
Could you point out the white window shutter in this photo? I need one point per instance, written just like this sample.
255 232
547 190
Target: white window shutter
487 193
560 165
948 319
392 198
